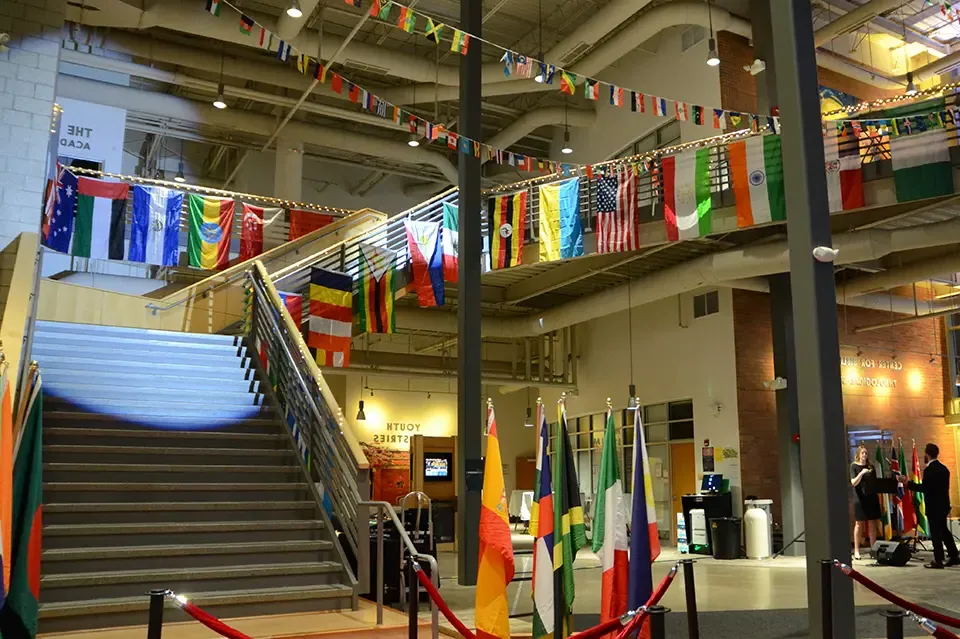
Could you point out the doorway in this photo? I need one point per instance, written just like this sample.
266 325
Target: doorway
683 478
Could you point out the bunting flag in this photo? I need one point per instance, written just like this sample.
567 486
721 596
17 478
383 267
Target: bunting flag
460 42
617 222
407 20
717 117
6 481
303 63
211 221
100 221
507 221
59 216
568 82
155 227
213 7
916 476
246 25
264 38
507 59
397 115
426 259
637 102
452 141
541 529
354 3
353 91
681 109
920 154
450 241
547 71
303 222
495 568
610 528
568 521
686 194
591 89
255 218
377 275
698 115
616 96
336 82
283 51
524 66
561 231
331 316
844 172
413 124
659 106
644 536
381 9
433 31
735 118
756 170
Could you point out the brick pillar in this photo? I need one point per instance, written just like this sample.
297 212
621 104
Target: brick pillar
28 75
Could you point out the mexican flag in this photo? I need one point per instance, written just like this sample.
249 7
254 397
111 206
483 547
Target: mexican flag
18 620
610 531
919 151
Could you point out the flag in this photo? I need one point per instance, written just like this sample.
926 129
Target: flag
294 304
430 131
460 42
568 82
495 569
541 528
686 194
304 222
659 106
381 108
920 155
507 59
524 66
336 82
735 118
61 202
283 51
717 116
682 113
426 261
413 124
698 115
213 7
155 226
264 39
407 19
6 481
450 241
353 3
756 170
377 275
211 221
397 115
616 96
320 72
381 9
100 223
251 230
885 526
452 140
466 146
897 497
916 476
246 25
303 63
591 89
354 92
617 228
909 514
330 328
433 31
19 615
561 232
637 102
366 99
507 221
644 538
844 173
610 528
568 520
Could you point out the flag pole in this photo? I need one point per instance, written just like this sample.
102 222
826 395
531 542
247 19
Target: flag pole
559 605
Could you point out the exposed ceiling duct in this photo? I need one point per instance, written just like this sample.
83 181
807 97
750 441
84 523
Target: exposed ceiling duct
164 105
708 270
855 19
899 276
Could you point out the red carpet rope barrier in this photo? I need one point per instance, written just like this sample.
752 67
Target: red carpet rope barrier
931 628
654 599
917 609
441 604
207 619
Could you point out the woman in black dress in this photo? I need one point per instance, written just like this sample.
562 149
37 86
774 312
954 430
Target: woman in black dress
866 506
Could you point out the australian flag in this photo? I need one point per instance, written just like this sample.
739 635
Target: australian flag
59 211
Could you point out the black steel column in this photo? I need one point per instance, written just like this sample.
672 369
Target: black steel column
469 390
820 403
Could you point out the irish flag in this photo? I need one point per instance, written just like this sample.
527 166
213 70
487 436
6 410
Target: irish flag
686 194
211 220
495 571
919 152
610 528
756 169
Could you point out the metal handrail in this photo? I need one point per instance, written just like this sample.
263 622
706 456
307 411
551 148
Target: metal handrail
382 506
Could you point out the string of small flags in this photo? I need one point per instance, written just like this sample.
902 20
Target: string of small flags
893 100
900 125
946 9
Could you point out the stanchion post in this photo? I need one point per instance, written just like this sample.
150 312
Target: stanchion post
690 587
379 565
413 599
826 597
658 625
155 619
894 623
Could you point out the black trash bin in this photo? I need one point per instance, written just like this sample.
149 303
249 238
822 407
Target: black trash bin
725 536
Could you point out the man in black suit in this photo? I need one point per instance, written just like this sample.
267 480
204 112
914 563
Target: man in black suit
936 498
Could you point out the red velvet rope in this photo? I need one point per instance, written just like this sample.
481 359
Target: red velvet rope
896 599
442 605
654 599
943 633
212 622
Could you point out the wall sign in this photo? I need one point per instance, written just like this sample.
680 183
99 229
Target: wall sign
396 433
92 132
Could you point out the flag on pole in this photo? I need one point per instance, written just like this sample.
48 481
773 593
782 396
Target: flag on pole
155 226
495 569
906 502
686 194
426 260
507 221
885 513
756 167
100 221
59 217
610 528
568 521
541 528
330 329
450 241
916 476
6 480
644 537
617 212
211 221
561 231
377 275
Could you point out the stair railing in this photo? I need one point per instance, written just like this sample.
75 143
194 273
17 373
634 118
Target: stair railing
328 448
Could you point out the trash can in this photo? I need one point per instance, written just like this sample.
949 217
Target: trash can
725 535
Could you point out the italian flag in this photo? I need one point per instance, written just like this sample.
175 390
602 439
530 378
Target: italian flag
756 169
100 222
211 220
610 532
686 195
919 152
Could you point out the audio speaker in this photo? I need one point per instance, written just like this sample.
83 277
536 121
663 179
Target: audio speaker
891 553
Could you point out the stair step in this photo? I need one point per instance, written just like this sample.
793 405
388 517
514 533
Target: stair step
127 379
86 492
176 506
163 577
133 344
47 326
99 392
56 433
161 486
85 535
162 413
191 473
259 421
135 356
220 453
235 366
165 511
178 527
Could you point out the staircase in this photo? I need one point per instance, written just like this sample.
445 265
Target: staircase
164 467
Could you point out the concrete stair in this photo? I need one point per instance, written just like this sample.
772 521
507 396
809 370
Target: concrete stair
166 467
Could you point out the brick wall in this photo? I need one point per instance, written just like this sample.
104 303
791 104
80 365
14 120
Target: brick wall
28 73
912 410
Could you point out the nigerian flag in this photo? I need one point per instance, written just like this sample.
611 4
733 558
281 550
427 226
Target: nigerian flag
569 533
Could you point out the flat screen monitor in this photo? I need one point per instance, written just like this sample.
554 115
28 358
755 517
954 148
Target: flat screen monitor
437 466
712 483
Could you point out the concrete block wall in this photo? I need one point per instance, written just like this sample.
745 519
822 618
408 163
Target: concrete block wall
28 74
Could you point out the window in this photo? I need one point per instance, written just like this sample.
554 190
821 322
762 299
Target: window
706 304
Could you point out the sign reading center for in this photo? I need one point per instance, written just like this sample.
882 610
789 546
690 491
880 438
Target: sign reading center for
857 366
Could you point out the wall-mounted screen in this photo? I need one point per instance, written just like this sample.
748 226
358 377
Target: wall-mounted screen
437 466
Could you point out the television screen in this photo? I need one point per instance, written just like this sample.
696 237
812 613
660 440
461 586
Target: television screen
437 466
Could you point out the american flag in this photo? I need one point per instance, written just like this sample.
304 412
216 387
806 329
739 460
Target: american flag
617 212
58 216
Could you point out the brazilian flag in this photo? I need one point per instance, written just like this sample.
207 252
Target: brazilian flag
569 532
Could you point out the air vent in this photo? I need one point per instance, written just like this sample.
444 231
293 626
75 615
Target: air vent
368 68
691 37
706 304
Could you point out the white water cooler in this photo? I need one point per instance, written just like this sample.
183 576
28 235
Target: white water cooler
698 527
758 525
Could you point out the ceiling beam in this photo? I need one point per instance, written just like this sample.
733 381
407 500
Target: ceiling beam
894 29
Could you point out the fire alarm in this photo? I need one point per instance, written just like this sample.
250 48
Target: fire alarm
796 438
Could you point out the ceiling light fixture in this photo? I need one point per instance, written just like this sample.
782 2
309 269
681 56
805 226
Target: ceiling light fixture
219 103
413 140
567 149
911 87
294 10
713 58
361 416
529 421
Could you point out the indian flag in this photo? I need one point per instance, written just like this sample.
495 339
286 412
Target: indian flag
610 529
756 169
686 194
211 220
920 153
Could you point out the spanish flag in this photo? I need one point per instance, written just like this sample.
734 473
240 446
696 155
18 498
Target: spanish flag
507 218
377 275
211 221
495 571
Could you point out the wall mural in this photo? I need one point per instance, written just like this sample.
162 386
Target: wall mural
832 100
